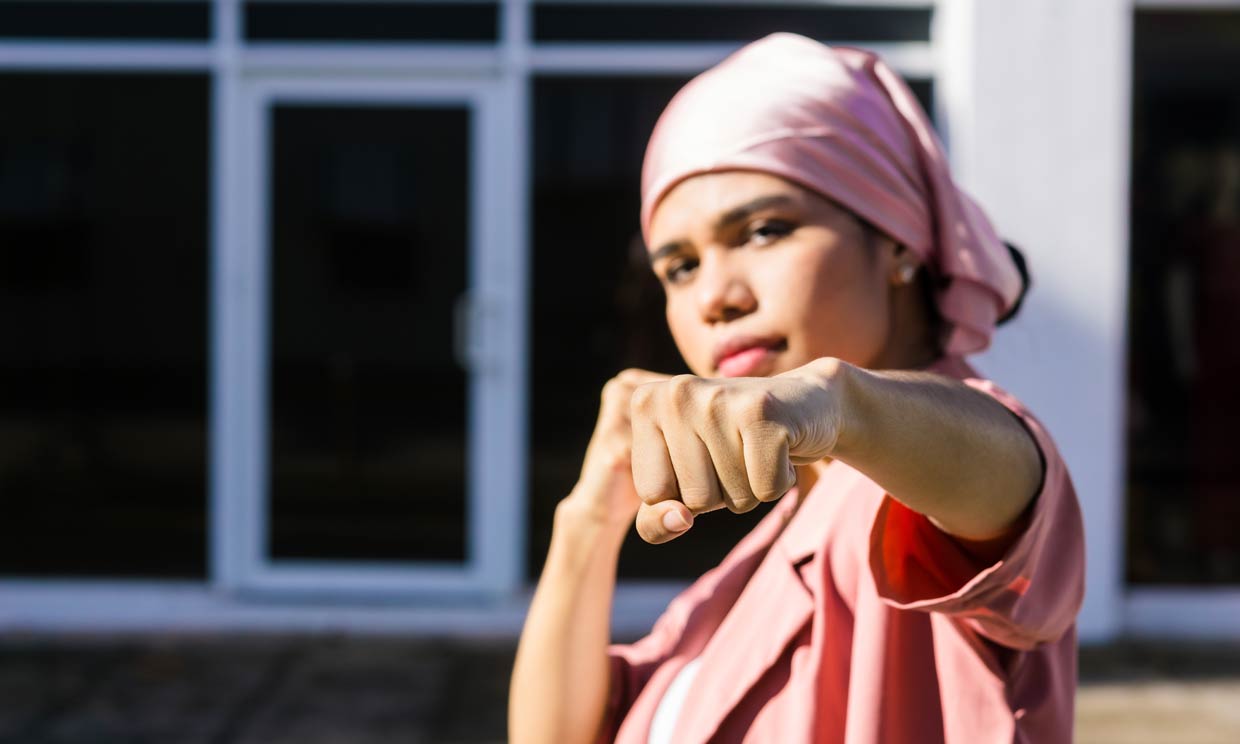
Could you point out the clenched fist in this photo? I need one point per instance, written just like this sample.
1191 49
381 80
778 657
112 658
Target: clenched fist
604 493
701 444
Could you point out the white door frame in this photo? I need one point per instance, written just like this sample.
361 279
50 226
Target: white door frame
241 292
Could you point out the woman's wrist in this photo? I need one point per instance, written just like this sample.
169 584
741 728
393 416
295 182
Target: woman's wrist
579 517
581 547
844 402
835 403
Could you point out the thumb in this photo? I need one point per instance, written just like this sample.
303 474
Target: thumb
663 521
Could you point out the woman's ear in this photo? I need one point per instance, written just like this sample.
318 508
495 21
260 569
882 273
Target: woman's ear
901 263
896 261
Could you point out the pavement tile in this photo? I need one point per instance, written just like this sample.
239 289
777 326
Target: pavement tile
1176 712
354 690
41 683
156 690
322 689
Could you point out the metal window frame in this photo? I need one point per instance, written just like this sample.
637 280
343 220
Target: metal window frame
75 606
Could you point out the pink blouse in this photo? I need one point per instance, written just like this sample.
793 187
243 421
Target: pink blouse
853 619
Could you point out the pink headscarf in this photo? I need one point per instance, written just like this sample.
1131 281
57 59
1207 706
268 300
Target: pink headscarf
839 121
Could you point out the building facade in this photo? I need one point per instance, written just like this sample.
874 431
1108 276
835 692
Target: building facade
308 304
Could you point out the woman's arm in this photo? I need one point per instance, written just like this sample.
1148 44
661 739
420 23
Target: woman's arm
560 680
939 446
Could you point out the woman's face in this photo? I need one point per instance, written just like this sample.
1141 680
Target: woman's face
763 276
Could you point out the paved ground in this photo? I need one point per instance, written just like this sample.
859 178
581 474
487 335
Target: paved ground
1159 694
312 689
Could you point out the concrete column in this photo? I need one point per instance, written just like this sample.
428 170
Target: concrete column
1033 97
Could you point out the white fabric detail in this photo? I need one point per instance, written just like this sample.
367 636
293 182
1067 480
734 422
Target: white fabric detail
668 712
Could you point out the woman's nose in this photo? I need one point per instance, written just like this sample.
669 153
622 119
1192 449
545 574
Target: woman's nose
723 294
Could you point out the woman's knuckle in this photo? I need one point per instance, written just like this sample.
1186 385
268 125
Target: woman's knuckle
631 376
750 407
697 498
764 432
642 397
714 396
616 457
680 389
739 504
766 404
768 492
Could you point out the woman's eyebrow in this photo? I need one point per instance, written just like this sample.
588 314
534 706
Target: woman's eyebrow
676 246
727 219
744 211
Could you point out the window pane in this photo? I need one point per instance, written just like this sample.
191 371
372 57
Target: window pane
1184 362
369 244
105 19
103 254
597 308
371 21
696 22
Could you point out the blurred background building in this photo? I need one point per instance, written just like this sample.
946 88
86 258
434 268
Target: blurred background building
306 305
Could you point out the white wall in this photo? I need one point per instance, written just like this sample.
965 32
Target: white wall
1035 94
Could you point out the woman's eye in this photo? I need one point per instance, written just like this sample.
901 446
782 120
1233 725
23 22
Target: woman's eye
765 232
679 271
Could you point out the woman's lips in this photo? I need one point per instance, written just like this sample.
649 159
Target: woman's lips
748 361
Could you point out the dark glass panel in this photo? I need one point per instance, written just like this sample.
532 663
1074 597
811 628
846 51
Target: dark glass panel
646 22
371 21
370 236
82 19
1183 493
103 255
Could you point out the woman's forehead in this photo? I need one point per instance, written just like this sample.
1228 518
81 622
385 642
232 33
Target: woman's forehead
705 202
721 190
699 200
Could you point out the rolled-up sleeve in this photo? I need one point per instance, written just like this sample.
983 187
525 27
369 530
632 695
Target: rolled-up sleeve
1029 596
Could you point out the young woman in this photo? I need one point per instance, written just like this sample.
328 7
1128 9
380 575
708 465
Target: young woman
919 579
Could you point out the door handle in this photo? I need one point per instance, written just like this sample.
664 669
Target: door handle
470 318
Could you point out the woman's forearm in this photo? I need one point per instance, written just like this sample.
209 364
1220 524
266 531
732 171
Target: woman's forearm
940 447
560 680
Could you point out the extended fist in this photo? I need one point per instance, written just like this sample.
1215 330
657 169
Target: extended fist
701 444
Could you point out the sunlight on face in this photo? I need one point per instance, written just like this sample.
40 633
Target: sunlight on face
763 276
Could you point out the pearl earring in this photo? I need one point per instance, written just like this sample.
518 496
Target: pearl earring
906 273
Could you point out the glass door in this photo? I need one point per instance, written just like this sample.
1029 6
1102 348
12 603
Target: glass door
371 303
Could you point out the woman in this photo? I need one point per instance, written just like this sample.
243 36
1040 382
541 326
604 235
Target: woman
919 579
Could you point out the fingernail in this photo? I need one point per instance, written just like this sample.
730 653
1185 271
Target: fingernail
675 521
